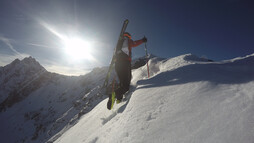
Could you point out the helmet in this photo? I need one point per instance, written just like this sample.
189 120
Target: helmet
126 34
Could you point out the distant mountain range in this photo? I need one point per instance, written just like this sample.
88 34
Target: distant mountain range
36 104
185 99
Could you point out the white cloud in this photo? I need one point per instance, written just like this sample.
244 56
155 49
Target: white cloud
7 42
38 45
51 67
69 67
6 59
65 70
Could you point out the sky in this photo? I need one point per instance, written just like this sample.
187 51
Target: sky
72 37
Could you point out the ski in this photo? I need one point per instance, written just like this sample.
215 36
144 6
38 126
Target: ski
118 46
112 98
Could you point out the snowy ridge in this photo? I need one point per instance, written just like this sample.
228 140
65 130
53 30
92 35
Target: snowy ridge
137 63
187 99
18 75
36 104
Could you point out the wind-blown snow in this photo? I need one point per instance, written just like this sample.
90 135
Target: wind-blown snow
186 100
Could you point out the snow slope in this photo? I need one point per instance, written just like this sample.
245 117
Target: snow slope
18 73
186 100
36 104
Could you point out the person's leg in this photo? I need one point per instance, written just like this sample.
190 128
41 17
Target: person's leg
118 69
125 78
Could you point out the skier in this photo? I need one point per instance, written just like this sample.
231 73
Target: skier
123 68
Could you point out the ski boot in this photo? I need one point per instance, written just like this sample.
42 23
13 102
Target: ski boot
111 100
118 101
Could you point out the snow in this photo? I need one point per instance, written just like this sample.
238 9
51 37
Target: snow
17 73
36 104
187 99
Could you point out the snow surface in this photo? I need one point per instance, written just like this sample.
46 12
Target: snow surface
18 72
36 104
186 100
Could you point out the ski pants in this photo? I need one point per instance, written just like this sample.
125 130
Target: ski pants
123 70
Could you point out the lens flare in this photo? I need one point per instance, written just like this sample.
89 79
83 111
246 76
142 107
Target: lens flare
78 49
75 48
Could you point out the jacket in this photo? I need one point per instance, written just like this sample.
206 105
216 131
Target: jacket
128 44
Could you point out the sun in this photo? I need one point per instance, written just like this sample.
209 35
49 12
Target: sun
75 47
78 49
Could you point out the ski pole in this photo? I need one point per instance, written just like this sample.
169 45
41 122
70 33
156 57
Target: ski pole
147 61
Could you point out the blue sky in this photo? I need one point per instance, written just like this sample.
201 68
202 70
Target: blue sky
217 29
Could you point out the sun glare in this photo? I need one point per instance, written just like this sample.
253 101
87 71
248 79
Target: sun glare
75 48
78 49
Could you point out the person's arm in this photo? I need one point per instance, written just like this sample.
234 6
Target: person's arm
138 42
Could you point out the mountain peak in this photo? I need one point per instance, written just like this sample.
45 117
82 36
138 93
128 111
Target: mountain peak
16 61
27 65
29 60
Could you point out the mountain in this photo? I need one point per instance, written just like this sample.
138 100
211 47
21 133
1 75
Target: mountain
139 62
186 99
16 74
36 104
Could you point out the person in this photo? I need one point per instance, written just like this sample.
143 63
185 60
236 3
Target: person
123 68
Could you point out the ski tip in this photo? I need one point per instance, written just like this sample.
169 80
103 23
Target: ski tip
126 20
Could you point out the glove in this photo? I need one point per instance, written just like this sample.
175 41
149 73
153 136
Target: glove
144 39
